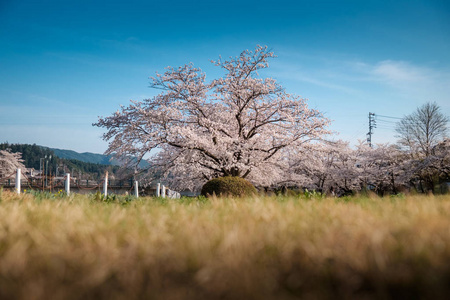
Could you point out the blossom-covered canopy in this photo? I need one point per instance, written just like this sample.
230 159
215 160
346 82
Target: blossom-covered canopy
236 125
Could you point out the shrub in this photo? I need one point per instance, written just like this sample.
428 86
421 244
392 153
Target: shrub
228 186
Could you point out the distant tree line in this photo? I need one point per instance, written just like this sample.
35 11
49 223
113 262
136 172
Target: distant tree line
95 170
420 160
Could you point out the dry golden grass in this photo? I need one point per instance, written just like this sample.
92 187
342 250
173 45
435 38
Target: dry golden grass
257 248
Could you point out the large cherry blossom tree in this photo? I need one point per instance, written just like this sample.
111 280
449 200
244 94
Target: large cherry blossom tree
238 125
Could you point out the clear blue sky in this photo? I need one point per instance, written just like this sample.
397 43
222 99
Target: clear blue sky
64 63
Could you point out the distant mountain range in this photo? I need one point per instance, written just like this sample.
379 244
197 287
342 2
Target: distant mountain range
91 157
86 157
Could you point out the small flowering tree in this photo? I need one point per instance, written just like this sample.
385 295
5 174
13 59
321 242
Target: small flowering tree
9 162
236 125
382 168
336 167
327 167
426 172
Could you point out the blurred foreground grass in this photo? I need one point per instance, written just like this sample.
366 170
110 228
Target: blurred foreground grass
80 247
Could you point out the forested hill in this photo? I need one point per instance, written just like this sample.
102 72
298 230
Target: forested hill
32 153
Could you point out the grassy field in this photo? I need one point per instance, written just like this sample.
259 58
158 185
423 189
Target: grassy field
79 247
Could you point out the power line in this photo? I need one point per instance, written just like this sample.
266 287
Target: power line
388 122
389 117
388 128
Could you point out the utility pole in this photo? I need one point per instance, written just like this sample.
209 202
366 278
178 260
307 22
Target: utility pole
372 125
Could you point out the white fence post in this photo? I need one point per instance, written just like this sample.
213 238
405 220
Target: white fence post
158 187
18 181
136 190
163 192
67 185
105 185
